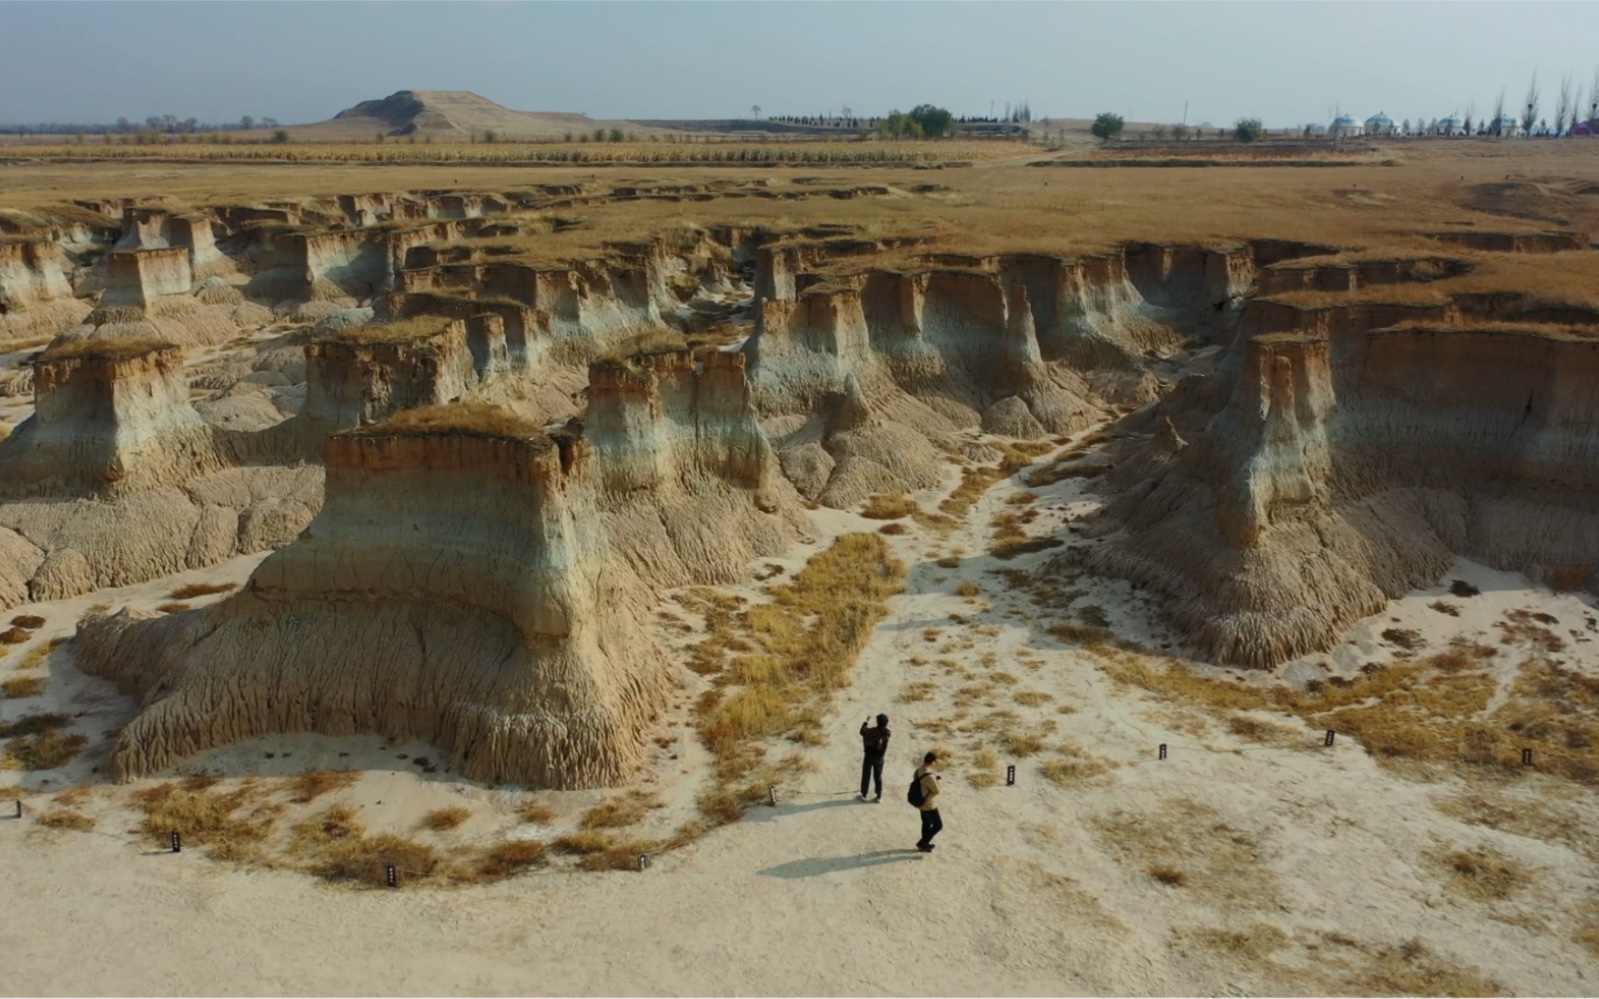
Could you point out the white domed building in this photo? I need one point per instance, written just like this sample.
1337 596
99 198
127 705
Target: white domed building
1345 127
1379 124
1451 125
1506 126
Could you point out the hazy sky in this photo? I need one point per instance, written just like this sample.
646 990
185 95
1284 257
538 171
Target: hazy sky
1287 63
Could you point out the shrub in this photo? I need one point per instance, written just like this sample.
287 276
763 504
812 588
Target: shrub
889 506
29 621
43 751
312 784
280 137
1248 129
14 636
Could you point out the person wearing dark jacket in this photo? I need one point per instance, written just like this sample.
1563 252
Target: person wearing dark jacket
874 741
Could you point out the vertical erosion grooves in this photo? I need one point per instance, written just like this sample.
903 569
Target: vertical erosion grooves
35 295
1349 467
361 377
454 588
691 488
111 417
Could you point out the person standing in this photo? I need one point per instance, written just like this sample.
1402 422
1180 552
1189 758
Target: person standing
874 743
926 782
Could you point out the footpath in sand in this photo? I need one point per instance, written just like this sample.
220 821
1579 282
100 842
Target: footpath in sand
1241 863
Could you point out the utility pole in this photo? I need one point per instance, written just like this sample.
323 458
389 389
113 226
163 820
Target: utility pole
1185 112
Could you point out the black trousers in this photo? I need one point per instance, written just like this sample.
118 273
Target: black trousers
931 825
872 769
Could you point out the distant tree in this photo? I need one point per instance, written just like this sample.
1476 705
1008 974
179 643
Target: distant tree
1179 132
280 136
1107 126
1158 131
599 135
378 138
755 111
247 122
490 136
1529 114
569 137
934 121
269 123
1248 129
1563 104
1494 127
617 135
122 126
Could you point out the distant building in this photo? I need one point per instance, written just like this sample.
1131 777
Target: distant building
1315 130
1506 126
1451 126
1345 127
1582 128
1379 124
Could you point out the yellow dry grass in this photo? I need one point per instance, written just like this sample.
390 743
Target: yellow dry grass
802 644
889 506
444 819
1417 714
1482 874
1073 765
65 818
189 591
32 622
620 812
17 687
312 784
1188 844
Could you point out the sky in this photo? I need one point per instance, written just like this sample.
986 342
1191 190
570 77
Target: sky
299 62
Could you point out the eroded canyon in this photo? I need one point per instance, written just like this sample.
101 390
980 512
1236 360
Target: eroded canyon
604 496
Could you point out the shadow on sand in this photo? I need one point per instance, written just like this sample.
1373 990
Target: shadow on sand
813 866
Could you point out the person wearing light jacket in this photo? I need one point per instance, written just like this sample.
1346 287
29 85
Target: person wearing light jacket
932 823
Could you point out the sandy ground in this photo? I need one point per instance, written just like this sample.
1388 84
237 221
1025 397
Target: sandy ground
1305 869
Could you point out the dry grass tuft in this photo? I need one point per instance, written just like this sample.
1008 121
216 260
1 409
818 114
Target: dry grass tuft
206 818
889 506
1168 876
192 590
15 636
1483 874
893 529
172 608
18 687
967 588
537 813
984 768
445 819
917 691
312 784
63 818
1073 765
32 622
1535 817
41 749
1032 698
512 857
1189 837
620 812
363 860
1412 969
1255 943
39 653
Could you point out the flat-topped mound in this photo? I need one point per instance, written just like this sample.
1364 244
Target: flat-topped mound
473 419
398 331
116 349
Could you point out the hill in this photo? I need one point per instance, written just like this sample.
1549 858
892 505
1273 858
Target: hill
450 114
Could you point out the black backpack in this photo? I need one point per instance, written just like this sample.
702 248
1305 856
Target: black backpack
915 796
